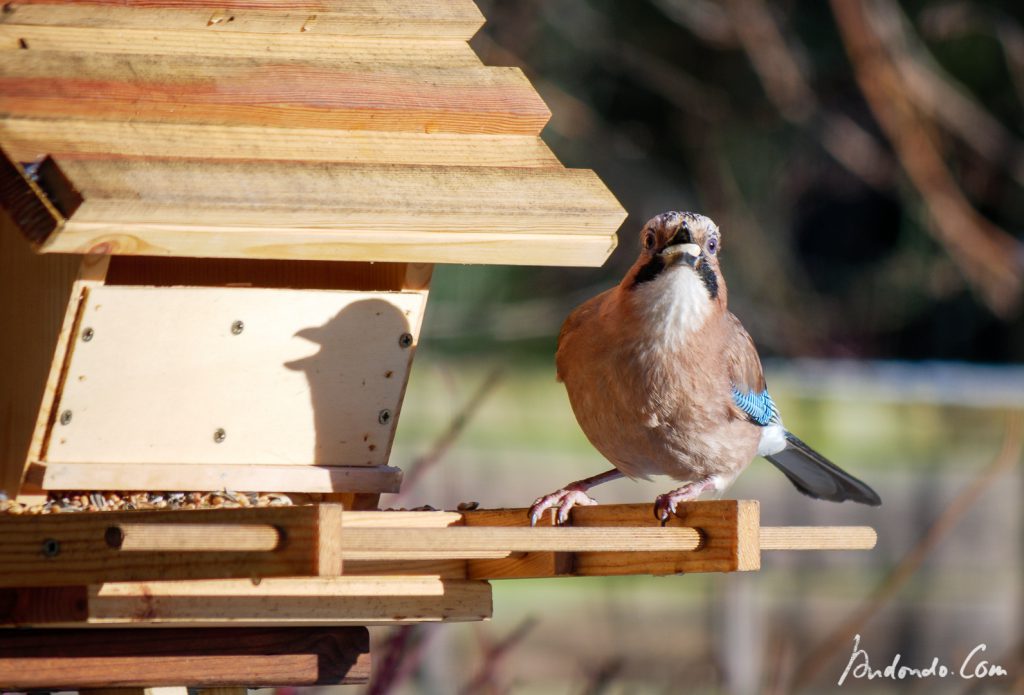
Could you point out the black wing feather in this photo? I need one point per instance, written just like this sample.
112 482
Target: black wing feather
816 476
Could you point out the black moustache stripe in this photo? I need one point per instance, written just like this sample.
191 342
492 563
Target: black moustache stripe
649 271
707 274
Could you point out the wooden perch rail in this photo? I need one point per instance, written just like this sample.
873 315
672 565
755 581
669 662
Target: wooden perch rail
316 540
320 565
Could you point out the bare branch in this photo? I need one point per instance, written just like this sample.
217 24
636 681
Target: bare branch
955 19
706 20
422 465
989 258
400 657
493 656
937 93
779 66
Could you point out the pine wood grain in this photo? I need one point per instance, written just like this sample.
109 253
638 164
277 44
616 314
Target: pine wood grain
239 90
122 658
485 541
34 305
339 211
199 477
728 541
818 538
56 550
27 139
308 47
345 600
729 529
443 19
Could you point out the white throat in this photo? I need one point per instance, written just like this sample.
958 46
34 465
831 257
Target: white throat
674 305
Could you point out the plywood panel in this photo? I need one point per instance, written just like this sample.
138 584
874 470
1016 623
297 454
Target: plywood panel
445 19
305 381
28 139
239 90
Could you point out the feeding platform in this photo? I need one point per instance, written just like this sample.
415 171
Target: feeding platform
219 224
319 566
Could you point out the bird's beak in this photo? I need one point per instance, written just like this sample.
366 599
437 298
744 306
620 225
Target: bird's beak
689 253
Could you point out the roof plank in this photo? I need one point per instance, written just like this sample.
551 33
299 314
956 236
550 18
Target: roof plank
243 90
308 47
449 19
27 139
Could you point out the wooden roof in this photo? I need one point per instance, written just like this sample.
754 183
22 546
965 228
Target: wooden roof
339 129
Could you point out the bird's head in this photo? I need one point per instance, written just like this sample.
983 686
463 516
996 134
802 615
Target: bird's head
679 252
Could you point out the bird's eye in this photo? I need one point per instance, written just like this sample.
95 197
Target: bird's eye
649 240
712 246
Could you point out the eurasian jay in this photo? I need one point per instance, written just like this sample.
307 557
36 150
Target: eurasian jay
664 380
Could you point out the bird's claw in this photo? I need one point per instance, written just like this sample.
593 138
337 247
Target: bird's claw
564 500
665 505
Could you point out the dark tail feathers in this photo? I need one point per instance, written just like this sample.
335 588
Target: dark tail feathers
815 475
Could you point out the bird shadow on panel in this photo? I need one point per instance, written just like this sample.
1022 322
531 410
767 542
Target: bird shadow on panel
356 381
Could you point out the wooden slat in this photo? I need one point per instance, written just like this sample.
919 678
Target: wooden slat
244 195
242 272
443 19
39 298
236 90
401 520
443 569
346 600
55 550
309 47
730 529
343 212
729 532
121 658
336 601
536 564
303 383
485 541
184 477
27 139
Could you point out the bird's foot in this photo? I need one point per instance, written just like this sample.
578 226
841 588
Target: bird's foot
563 500
665 505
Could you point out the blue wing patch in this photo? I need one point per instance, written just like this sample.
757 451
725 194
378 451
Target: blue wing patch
759 407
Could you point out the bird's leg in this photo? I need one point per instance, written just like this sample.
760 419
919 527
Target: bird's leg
665 505
569 496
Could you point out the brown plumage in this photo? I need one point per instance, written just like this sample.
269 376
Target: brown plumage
651 366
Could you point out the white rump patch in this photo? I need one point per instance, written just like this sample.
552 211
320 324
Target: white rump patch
773 440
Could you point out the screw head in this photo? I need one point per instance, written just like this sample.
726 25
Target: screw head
65 417
87 334
220 435
114 537
405 340
51 547
384 416
237 327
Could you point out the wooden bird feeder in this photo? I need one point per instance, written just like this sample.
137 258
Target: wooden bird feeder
219 226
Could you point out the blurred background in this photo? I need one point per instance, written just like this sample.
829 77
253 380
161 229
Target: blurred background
865 162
